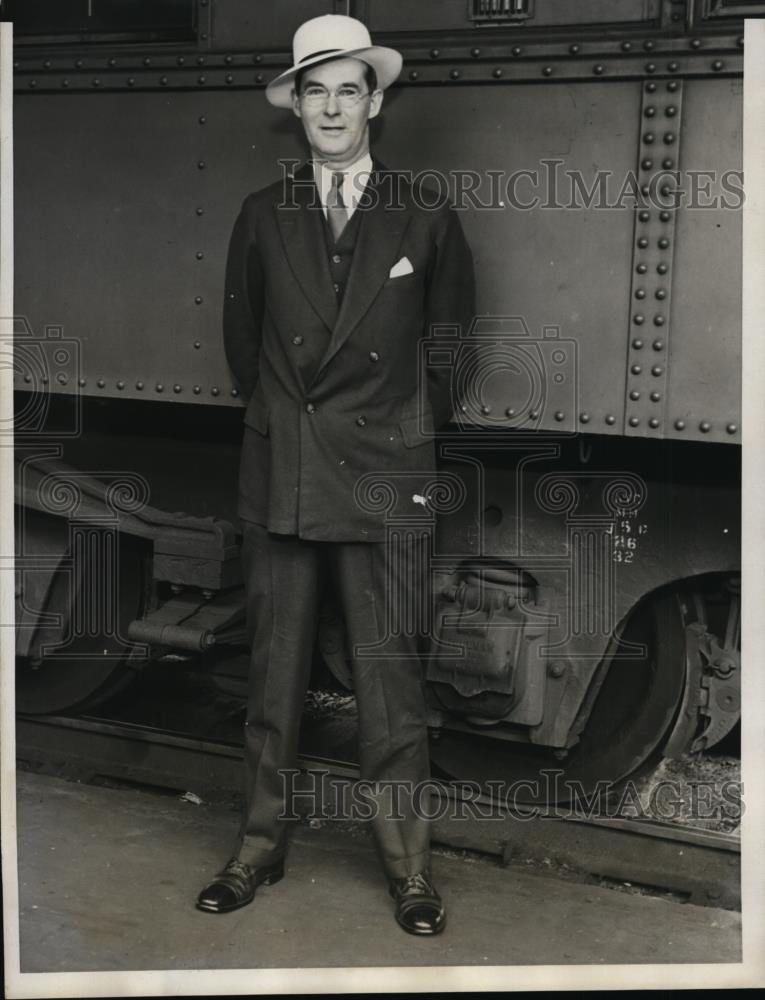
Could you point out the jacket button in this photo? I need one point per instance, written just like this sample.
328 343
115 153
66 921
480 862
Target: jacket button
374 356
336 287
310 408
337 259
361 421
297 341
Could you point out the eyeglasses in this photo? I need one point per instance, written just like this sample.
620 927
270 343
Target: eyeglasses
346 97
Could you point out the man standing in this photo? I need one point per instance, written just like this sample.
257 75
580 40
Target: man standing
333 279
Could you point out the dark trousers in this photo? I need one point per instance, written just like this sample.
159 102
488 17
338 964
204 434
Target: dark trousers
378 588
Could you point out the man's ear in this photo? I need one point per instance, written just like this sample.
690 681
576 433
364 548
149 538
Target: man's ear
375 103
296 104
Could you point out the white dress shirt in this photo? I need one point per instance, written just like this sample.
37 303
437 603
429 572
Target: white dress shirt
352 188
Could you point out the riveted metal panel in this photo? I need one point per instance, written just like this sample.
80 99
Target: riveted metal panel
439 15
565 267
117 195
243 24
705 349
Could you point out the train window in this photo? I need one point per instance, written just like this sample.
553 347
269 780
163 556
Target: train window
733 8
85 20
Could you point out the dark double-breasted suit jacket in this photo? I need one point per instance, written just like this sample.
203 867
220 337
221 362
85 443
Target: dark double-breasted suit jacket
368 405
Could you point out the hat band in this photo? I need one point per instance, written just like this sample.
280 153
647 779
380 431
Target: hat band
321 52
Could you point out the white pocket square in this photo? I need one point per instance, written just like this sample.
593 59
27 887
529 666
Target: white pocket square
400 268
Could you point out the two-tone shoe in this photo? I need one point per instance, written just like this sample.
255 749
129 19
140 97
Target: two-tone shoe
419 909
235 886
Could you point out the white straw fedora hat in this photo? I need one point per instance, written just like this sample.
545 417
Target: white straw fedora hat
333 36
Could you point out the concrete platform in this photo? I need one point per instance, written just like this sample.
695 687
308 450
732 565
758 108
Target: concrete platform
108 879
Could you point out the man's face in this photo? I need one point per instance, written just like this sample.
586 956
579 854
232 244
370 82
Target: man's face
337 132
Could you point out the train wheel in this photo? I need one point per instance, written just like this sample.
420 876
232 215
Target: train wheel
629 723
84 679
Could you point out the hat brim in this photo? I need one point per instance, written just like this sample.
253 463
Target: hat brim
386 63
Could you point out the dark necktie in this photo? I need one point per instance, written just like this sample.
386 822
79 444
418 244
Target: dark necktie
337 214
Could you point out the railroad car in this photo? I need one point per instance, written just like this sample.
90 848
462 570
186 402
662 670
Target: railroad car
586 557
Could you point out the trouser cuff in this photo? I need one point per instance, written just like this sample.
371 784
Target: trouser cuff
402 867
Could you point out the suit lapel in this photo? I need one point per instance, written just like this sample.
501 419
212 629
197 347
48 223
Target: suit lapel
379 237
302 233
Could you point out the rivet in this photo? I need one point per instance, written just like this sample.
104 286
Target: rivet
200 60
228 60
475 53
669 138
163 81
44 379
197 389
510 412
33 84
139 385
584 418
641 268
705 427
658 320
640 293
559 415
638 319
668 163
642 242
645 190
547 71
177 388
666 190
573 49
486 410
100 383
229 78
672 86
198 300
658 345
516 50
695 43
256 58
199 255
636 369
649 137
647 164
633 421
732 428
435 53
680 425
64 83
626 46
27 377
661 293
533 414
663 243
201 165
650 67
81 382
215 390
610 419
650 111
200 211
159 387
78 64
662 268
131 81
454 74
672 67
181 61
671 111
258 78
46 64
413 75
653 422
665 216
655 397
598 69
201 80
717 65
637 343
147 61
740 41
234 392
644 216
657 370
648 45
120 384
497 73
202 120
650 87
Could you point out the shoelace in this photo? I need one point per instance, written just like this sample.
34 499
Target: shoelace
415 883
236 867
